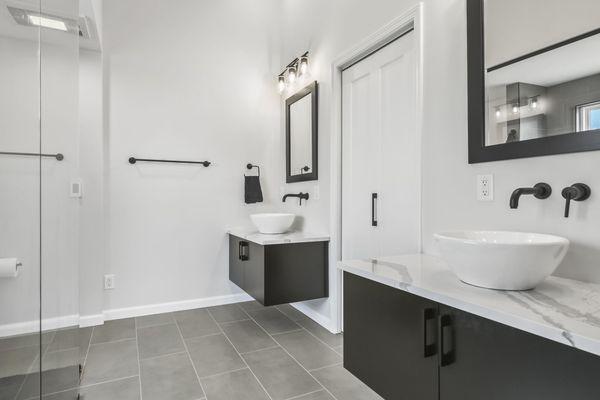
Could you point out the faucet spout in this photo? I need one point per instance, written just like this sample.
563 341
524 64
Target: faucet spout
301 196
539 191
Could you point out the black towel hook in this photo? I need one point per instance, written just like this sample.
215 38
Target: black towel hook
250 166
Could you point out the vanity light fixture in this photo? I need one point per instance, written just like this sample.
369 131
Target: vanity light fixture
36 19
515 108
498 112
298 68
534 102
292 73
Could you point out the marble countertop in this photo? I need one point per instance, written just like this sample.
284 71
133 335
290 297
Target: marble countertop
563 310
284 238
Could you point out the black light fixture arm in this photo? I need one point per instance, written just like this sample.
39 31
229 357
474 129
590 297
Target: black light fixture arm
293 63
58 156
575 192
539 191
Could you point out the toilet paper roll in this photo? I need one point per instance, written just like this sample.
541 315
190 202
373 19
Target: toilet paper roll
9 267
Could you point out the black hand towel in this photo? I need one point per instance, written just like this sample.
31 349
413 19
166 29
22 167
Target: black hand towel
252 190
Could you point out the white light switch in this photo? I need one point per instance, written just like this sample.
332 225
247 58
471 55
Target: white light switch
485 187
75 189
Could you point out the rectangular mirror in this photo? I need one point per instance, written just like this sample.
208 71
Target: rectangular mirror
533 90
301 135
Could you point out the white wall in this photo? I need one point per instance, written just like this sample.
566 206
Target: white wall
449 187
188 81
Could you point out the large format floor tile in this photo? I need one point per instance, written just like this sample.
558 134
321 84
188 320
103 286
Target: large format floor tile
228 313
18 361
320 395
15 342
124 389
321 333
112 331
195 323
72 338
53 381
247 336
307 350
9 386
154 320
343 385
236 385
213 355
273 321
159 340
281 376
251 306
291 312
109 361
170 377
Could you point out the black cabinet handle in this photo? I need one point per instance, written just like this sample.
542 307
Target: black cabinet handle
429 343
373 209
447 351
244 251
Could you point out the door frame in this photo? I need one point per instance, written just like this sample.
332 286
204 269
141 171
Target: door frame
410 19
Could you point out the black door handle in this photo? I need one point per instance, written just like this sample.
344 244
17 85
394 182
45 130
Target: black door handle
373 209
429 335
447 350
244 251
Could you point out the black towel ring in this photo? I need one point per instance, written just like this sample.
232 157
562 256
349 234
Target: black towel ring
250 166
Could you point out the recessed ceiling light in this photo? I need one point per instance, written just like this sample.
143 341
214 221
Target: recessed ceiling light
45 22
37 19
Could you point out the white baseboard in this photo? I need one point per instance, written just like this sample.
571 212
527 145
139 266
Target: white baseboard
140 311
91 320
319 318
22 328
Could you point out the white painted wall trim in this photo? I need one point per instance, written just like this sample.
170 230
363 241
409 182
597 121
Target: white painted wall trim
412 17
326 323
160 308
91 320
22 328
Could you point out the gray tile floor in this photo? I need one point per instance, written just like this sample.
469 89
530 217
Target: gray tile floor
240 351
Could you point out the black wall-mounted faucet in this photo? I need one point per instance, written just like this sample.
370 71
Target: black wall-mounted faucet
301 196
576 192
539 191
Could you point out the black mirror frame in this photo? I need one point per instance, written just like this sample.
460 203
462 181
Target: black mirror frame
478 151
312 90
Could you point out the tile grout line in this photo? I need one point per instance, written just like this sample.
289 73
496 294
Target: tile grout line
239 354
137 347
257 350
109 381
41 356
326 366
187 352
305 394
297 362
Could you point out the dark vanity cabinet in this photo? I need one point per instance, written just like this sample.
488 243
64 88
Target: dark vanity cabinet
407 347
279 273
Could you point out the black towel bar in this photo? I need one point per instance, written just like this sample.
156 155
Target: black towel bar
133 160
250 166
58 156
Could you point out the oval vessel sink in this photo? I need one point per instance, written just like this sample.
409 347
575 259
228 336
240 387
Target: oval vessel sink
502 260
273 223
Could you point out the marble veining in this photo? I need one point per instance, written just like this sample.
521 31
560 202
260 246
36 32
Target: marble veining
563 310
284 238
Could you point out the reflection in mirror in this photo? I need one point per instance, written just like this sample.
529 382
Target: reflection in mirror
553 88
301 135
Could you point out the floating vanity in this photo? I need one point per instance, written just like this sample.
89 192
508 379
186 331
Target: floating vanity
413 330
281 268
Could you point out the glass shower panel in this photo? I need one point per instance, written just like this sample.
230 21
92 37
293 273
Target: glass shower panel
59 104
20 337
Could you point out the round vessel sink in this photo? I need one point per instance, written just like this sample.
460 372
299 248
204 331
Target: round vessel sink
502 260
273 223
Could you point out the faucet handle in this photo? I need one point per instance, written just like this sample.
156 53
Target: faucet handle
576 192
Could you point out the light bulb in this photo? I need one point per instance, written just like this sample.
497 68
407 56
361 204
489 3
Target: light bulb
303 65
292 74
281 83
534 103
515 109
498 113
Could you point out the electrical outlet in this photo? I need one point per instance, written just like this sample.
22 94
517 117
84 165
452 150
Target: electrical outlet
109 282
485 187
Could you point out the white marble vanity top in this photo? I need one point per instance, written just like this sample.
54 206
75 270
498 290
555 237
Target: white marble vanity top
563 310
284 238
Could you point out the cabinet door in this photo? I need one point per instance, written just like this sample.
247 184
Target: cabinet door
253 266
491 361
390 340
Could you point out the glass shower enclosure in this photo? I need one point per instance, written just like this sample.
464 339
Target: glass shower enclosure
41 345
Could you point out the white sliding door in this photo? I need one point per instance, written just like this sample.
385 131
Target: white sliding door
381 154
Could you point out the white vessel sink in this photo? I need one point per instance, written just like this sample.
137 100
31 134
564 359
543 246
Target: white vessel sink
272 223
502 260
